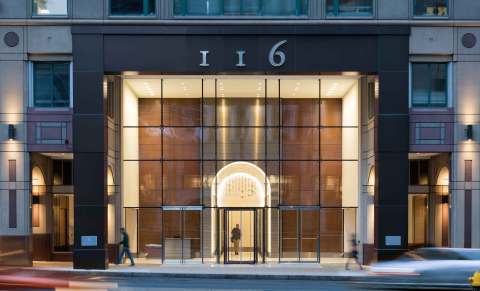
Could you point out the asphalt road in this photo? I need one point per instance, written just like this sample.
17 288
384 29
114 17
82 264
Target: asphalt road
224 284
17 279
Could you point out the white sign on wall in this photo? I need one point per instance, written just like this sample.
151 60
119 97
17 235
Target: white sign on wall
393 240
88 241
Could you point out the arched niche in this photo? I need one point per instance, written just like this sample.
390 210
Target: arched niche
241 184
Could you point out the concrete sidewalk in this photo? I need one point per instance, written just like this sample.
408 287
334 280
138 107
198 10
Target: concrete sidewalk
330 272
274 271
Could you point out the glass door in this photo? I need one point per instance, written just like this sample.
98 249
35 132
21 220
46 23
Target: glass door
182 234
240 236
300 241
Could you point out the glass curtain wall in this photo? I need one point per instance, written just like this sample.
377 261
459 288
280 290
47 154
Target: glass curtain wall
196 146
240 7
350 8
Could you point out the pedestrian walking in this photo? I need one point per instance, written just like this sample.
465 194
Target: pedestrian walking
126 248
236 237
354 253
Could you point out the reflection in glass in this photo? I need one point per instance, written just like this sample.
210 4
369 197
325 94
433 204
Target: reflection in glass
350 8
50 7
429 84
51 84
132 7
431 8
241 7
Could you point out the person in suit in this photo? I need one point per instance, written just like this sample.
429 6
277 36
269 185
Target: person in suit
126 248
236 237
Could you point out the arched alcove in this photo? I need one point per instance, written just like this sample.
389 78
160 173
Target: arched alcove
443 178
39 190
241 184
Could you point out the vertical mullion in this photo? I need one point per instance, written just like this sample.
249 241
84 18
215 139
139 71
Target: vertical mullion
202 202
265 182
280 192
202 173
182 232
319 165
161 169
280 140
280 236
299 237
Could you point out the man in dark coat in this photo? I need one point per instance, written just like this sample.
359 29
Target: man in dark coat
126 248
236 236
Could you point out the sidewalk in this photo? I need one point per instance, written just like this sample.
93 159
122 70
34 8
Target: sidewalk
274 271
287 271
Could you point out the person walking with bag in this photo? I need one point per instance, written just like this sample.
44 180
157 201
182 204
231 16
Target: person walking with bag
126 248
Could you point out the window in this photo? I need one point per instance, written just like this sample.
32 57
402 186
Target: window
350 8
62 172
419 172
240 7
51 84
132 7
430 8
50 7
429 84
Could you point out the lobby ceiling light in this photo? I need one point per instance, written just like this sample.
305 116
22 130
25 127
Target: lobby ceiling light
149 89
332 89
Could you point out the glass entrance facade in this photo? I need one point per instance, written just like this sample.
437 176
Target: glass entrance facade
235 169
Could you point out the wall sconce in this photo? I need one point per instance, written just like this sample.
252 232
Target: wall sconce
469 132
12 133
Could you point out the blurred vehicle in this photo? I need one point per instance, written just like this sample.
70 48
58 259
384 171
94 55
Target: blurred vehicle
443 264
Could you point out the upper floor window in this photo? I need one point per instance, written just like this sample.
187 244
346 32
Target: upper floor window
349 8
429 84
50 7
51 84
431 8
132 7
241 7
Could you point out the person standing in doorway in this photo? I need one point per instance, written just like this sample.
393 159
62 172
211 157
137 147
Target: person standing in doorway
126 248
236 236
354 253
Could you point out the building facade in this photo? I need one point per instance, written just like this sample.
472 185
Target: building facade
304 124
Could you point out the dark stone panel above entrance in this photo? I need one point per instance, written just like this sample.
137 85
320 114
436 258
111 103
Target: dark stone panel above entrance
181 54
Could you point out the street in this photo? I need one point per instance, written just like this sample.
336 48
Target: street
225 284
40 281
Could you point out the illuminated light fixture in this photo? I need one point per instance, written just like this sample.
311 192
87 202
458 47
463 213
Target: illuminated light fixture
469 132
350 74
12 133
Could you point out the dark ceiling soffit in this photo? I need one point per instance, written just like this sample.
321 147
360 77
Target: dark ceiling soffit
243 29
